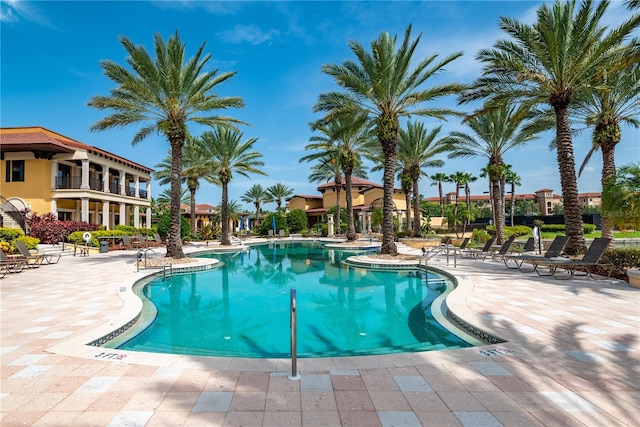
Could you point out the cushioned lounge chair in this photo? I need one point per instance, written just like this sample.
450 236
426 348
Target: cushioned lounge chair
555 250
33 260
584 266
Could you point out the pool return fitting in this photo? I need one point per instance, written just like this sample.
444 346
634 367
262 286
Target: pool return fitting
295 375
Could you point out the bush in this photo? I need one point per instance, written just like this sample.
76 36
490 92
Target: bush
48 229
10 234
479 235
517 230
165 224
622 259
297 221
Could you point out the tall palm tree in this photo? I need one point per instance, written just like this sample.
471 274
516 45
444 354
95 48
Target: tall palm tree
458 178
384 86
406 184
165 197
621 197
278 193
194 167
614 102
417 149
493 133
228 156
552 62
513 179
345 140
256 195
162 96
438 179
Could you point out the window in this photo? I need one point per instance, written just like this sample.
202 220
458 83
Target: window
64 215
15 171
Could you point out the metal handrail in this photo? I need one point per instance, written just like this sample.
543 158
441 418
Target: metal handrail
295 376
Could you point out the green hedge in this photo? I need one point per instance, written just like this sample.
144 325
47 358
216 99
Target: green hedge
622 259
559 228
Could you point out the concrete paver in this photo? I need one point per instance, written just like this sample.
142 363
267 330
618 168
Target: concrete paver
570 357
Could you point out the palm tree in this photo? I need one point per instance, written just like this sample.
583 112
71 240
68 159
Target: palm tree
438 179
194 167
229 156
163 95
512 178
406 183
256 195
417 149
494 133
553 62
165 197
621 197
344 141
615 101
458 178
382 85
278 192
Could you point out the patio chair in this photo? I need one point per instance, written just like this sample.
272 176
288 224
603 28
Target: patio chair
497 255
128 243
473 253
33 260
555 250
157 240
270 233
11 263
589 261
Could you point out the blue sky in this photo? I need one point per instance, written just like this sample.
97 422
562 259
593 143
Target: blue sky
51 50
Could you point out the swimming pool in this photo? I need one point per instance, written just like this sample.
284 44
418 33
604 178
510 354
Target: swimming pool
242 308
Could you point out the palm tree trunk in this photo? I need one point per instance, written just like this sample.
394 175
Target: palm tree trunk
416 209
174 240
192 193
608 172
498 210
388 180
225 241
351 228
441 199
569 183
338 187
407 201
513 202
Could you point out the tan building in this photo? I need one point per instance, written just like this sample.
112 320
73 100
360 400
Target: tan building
46 172
366 195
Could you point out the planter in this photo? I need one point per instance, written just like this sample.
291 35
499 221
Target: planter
634 277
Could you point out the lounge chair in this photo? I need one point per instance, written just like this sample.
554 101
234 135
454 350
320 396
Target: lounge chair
529 245
129 243
33 260
555 250
11 263
474 253
497 255
270 233
589 261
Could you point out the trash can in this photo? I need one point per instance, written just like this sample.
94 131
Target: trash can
104 246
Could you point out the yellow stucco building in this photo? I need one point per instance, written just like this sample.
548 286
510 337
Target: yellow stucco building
367 197
45 172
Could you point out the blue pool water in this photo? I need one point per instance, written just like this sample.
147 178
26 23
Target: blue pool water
242 308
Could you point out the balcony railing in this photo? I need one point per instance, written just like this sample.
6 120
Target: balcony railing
75 182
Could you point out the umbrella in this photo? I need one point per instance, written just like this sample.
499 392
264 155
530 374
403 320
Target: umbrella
273 222
241 223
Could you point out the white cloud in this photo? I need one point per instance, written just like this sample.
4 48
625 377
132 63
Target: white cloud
251 34
12 11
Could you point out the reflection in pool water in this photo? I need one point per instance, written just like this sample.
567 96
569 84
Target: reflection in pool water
242 308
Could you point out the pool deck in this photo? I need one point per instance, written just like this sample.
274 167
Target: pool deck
571 357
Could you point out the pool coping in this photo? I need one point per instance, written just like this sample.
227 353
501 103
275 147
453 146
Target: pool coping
87 345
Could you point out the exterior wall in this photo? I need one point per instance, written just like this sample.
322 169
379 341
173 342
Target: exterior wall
36 188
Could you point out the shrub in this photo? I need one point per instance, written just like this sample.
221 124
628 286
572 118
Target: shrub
165 224
297 221
48 229
479 235
622 259
10 234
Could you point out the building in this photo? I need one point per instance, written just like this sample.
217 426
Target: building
366 195
45 172
545 199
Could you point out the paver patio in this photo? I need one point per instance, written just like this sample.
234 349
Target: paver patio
571 358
